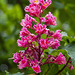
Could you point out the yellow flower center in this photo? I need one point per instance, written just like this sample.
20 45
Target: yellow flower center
45 4
35 1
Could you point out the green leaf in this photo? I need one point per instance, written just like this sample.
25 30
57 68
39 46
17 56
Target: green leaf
18 73
58 5
49 69
64 34
56 52
28 71
53 69
70 48
7 73
72 72
43 36
50 50
68 39
44 69
22 51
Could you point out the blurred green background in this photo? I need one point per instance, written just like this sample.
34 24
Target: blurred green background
11 14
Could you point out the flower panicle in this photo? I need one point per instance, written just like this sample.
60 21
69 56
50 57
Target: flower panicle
33 44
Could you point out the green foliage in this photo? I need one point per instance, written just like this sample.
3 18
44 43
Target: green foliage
18 73
11 14
56 52
49 69
70 48
43 36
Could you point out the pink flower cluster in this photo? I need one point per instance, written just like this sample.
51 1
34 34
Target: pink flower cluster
50 43
32 43
23 62
60 59
40 29
37 4
27 21
53 41
51 20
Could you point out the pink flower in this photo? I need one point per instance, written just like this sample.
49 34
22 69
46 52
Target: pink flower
28 18
27 9
26 24
40 29
33 9
23 23
17 57
60 59
34 62
27 21
57 35
35 66
34 1
32 37
51 20
23 42
45 4
24 32
23 63
54 43
26 41
44 43
43 19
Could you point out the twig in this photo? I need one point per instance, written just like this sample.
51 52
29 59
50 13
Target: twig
39 49
41 13
64 66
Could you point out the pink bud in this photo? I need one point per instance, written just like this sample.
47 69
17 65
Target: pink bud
24 32
71 67
27 9
60 59
51 20
57 35
54 43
